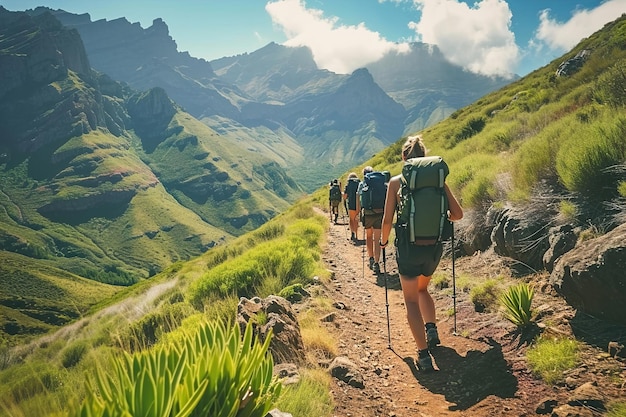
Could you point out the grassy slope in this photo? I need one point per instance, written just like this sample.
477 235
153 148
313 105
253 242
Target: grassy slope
526 129
194 153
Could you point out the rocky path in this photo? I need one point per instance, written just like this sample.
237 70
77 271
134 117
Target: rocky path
481 369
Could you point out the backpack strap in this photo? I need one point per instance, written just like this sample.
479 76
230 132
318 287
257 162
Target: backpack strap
443 215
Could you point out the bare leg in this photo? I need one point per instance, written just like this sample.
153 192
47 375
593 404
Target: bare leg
376 242
426 303
369 240
410 290
354 222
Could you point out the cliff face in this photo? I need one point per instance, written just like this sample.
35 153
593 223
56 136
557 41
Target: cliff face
148 58
43 65
86 159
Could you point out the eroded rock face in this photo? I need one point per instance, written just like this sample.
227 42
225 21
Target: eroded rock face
278 316
591 276
561 240
521 235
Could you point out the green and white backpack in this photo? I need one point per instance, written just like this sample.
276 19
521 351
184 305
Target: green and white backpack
423 210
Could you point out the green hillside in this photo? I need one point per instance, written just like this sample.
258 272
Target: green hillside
561 134
553 138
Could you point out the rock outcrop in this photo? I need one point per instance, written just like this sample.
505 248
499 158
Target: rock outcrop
591 276
276 315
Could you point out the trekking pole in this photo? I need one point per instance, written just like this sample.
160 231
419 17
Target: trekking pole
387 300
343 218
363 252
453 281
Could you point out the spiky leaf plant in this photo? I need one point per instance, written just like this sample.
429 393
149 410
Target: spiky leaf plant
517 301
214 372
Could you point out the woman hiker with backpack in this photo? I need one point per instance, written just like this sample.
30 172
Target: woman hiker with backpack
350 196
372 192
417 261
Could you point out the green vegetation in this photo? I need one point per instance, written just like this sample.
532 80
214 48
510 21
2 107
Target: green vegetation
566 132
485 295
616 409
211 371
44 378
550 357
517 301
309 397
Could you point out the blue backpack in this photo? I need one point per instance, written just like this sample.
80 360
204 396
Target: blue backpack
374 191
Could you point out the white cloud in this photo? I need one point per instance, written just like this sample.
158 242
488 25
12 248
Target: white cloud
338 48
478 38
562 37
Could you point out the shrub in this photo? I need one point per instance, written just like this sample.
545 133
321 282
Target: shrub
548 358
583 162
73 354
517 301
485 295
472 127
609 88
212 372
289 259
310 397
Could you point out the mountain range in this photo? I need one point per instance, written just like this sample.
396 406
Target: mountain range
120 155
277 99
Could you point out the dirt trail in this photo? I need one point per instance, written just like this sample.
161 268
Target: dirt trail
481 373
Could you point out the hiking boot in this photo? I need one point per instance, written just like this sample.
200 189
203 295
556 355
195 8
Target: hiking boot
336 215
425 363
432 337
376 268
353 236
372 263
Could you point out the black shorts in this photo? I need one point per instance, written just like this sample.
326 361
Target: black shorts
414 260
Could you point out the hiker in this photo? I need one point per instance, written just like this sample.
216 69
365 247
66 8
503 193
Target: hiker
334 198
371 204
416 261
350 197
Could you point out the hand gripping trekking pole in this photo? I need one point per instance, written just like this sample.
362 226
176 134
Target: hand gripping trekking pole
387 300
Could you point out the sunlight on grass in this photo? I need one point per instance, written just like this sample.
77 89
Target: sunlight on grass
550 357
310 397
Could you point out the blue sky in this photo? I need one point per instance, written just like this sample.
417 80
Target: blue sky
491 37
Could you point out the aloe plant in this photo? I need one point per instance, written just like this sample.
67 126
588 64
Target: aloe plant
517 301
214 372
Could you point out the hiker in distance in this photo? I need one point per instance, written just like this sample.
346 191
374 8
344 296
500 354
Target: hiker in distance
371 204
418 255
334 198
350 196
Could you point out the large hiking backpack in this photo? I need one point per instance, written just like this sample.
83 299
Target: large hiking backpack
423 201
351 188
335 192
374 191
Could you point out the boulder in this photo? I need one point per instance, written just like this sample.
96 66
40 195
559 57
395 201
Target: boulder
345 370
521 234
561 239
276 315
591 276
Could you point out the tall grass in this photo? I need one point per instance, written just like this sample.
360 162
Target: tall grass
289 259
583 159
308 398
549 357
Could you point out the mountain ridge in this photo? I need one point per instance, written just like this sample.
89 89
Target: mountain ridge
256 89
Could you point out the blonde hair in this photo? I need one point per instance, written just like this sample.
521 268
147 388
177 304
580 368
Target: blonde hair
413 147
352 175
